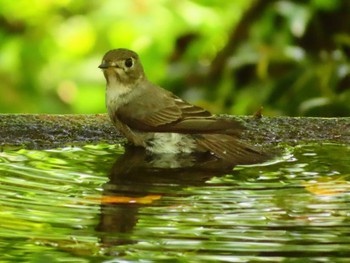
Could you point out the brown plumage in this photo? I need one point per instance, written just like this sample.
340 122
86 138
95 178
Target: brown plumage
156 119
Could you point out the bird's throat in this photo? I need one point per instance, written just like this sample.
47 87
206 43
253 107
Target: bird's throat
116 92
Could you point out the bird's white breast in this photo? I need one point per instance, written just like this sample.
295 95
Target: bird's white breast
115 94
173 143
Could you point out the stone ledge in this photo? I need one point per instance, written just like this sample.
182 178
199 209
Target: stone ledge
38 131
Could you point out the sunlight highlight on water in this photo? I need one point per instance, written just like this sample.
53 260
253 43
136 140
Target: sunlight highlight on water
97 203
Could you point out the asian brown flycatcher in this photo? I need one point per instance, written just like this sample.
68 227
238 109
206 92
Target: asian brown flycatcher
156 119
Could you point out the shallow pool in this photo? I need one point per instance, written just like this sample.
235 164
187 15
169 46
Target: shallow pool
101 204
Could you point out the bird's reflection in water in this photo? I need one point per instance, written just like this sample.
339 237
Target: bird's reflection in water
137 179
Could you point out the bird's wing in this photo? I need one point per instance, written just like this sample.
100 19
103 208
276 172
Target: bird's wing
164 112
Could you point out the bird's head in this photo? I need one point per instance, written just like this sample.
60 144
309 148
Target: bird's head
122 65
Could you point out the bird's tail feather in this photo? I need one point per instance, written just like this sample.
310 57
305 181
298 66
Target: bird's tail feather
232 149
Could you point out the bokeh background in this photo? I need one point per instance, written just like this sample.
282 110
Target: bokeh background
291 57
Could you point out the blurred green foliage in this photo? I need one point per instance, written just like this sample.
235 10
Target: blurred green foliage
291 57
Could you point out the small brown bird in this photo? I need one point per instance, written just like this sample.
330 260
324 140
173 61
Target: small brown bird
154 118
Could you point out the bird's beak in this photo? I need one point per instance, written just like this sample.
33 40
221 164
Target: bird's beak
104 65
108 64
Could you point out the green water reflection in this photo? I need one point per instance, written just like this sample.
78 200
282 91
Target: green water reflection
97 203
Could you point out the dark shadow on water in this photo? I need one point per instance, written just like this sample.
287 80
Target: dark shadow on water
138 179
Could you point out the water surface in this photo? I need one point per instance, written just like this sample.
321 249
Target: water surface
99 204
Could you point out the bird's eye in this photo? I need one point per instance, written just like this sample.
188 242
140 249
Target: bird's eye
128 62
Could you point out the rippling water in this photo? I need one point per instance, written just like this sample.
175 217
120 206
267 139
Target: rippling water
99 204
